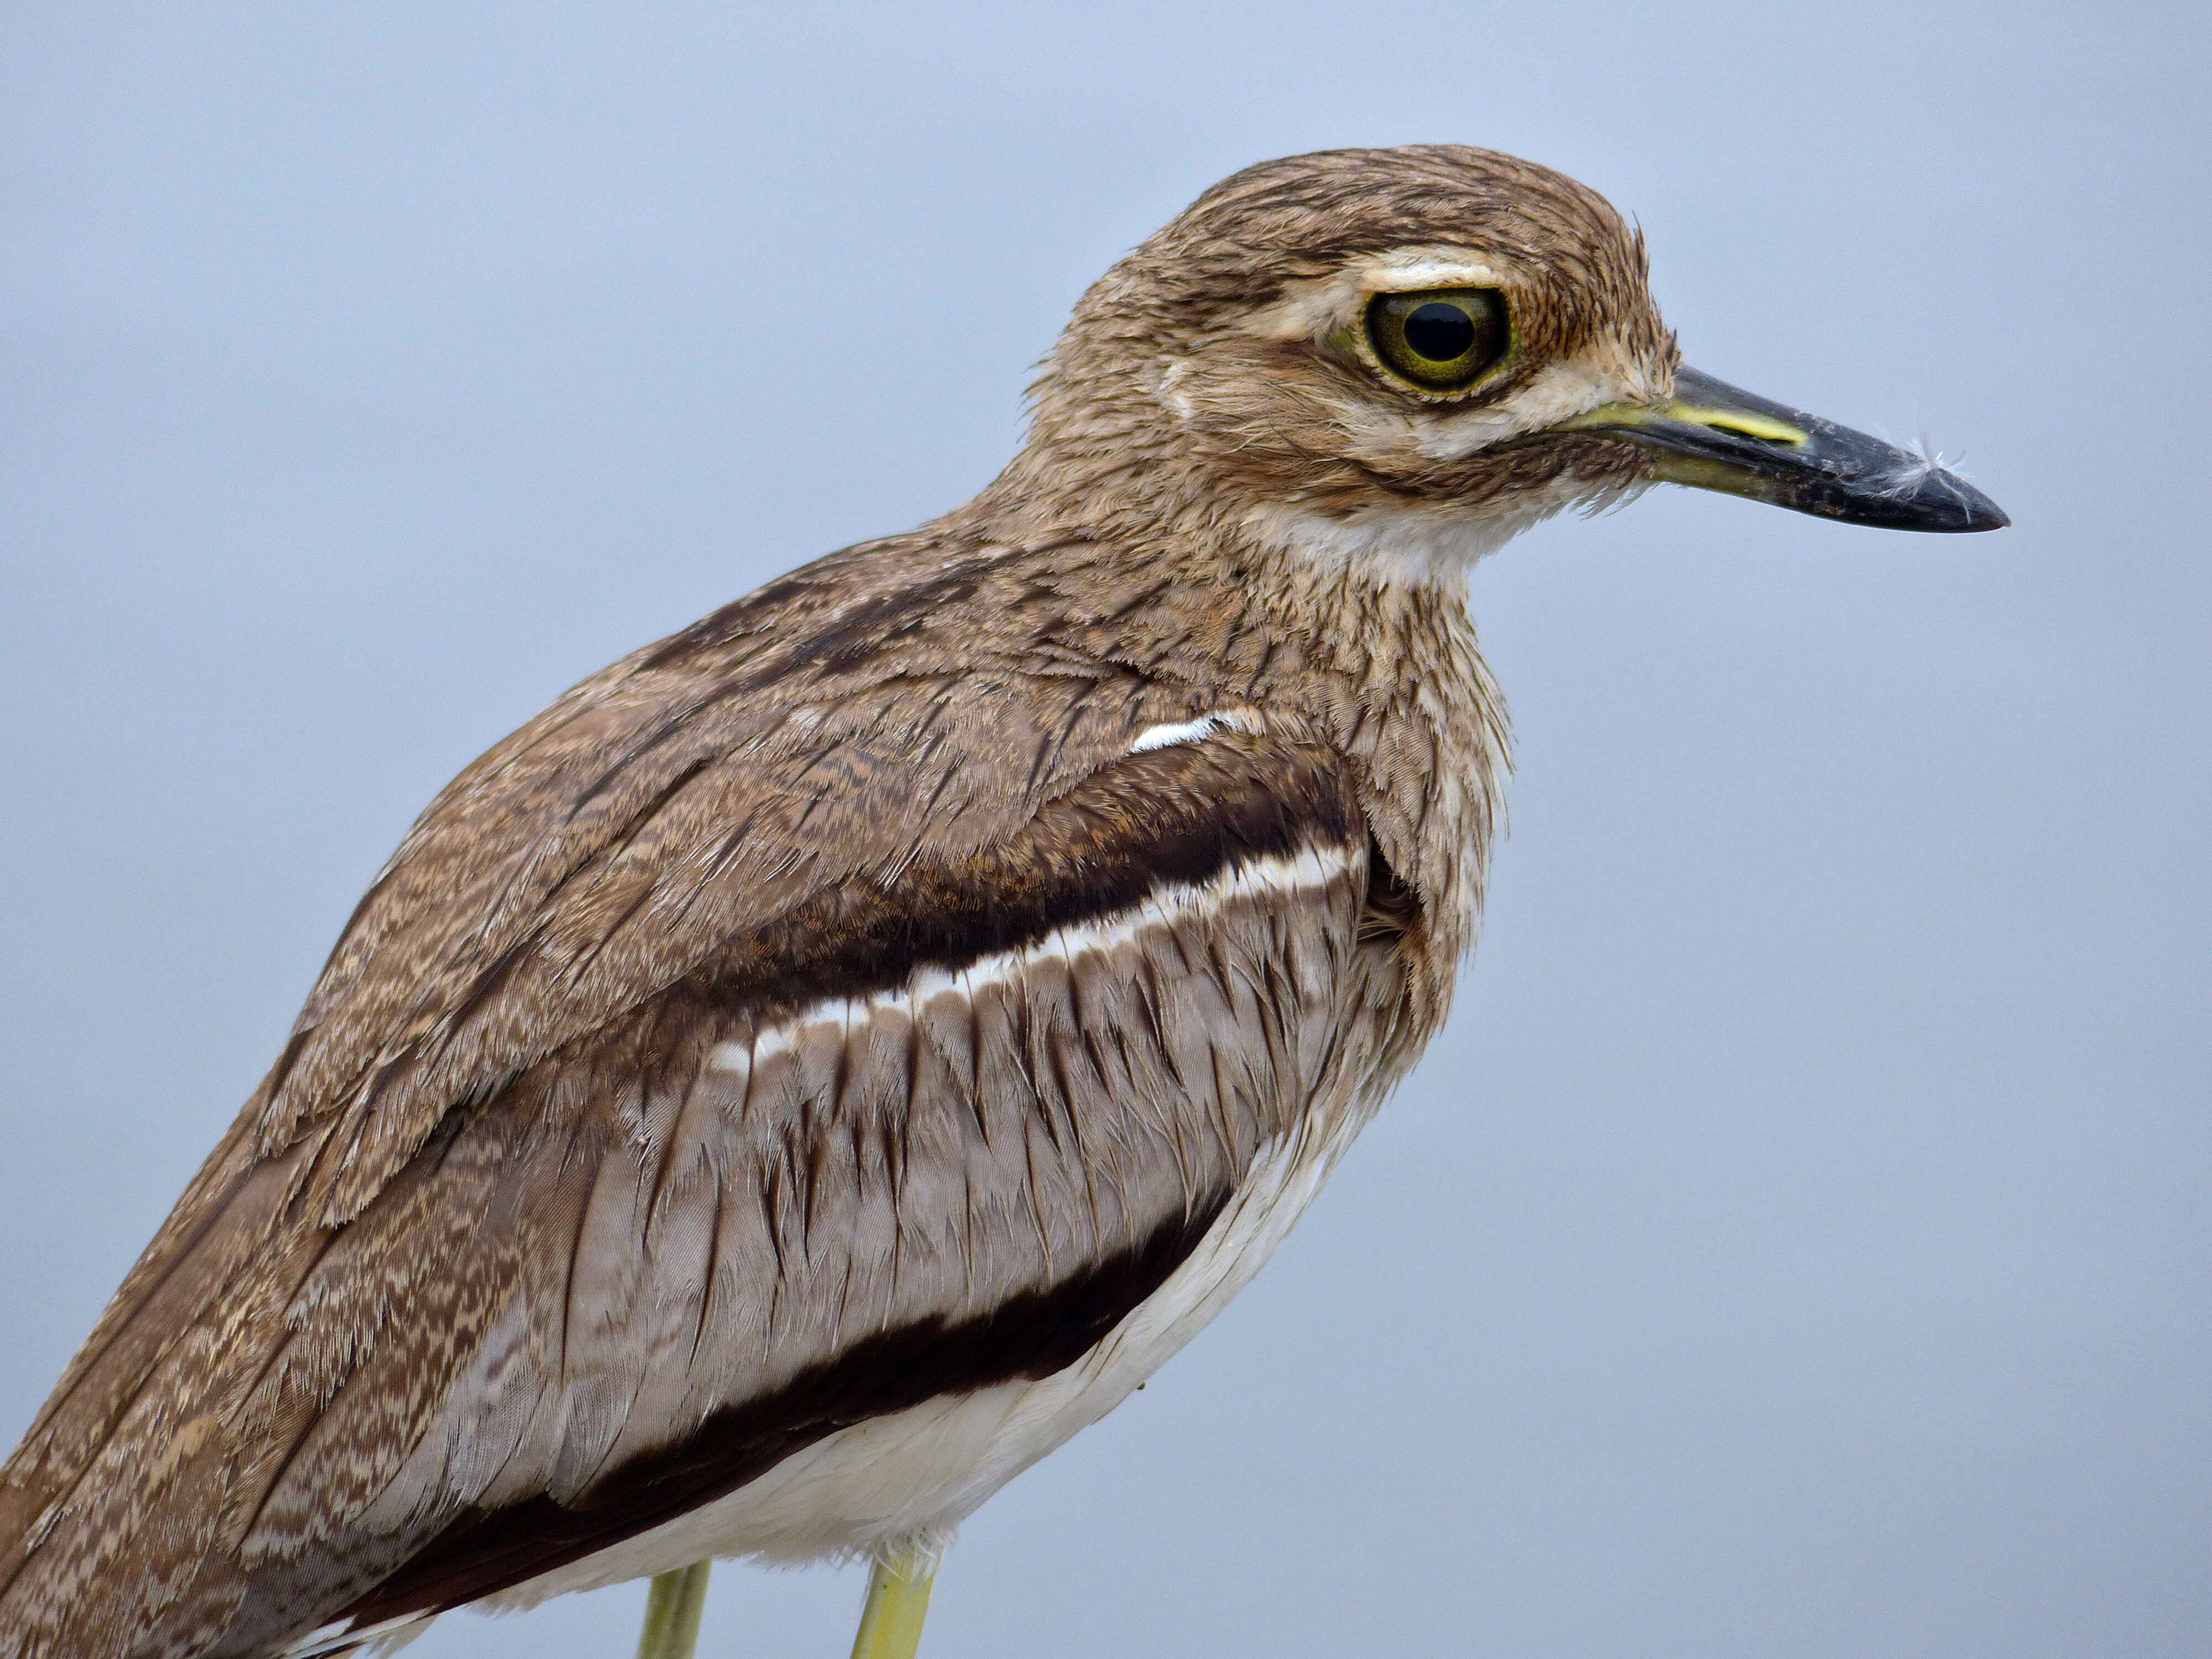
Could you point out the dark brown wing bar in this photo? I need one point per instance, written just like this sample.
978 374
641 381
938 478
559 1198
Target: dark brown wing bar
325 1392
1031 1335
593 859
1025 1131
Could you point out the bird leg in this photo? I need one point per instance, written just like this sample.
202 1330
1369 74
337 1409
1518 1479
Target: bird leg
898 1601
672 1607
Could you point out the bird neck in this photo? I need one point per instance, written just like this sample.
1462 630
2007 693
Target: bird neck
1155 574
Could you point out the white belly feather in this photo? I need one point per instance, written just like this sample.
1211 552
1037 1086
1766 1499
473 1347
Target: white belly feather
914 1475
906 1480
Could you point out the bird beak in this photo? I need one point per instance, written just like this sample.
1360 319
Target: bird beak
1711 436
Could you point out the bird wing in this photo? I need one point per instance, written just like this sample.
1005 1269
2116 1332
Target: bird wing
808 1017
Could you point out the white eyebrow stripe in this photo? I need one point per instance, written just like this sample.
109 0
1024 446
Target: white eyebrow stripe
1175 732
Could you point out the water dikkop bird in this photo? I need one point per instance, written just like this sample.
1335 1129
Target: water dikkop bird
835 1054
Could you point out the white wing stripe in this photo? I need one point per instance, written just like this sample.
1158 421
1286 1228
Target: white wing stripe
1316 867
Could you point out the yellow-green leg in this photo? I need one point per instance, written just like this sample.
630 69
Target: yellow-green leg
672 1607
898 1601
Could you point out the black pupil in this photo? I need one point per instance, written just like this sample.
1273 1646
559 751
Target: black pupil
1439 332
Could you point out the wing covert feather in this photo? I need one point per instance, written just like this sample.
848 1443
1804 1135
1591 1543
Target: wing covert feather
765 982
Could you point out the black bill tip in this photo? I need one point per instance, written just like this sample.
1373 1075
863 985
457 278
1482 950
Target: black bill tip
1932 497
1712 435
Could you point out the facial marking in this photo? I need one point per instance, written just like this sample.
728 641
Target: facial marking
1313 308
1559 391
1425 546
1330 311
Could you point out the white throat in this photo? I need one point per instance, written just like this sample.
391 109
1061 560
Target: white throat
1420 545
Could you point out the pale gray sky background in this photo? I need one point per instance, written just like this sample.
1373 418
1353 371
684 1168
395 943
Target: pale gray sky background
1798 1243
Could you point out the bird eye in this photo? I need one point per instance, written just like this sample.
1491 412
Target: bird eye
1440 340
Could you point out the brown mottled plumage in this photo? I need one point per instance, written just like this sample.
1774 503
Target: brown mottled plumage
917 994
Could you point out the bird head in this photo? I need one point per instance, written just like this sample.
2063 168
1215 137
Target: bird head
1407 355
